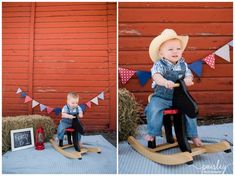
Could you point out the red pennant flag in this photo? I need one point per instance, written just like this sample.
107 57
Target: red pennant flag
27 99
125 74
49 110
210 60
88 104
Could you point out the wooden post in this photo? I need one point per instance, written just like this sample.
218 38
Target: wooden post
31 55
112 64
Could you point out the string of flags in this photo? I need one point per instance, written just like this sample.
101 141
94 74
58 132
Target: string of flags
196 67
58 110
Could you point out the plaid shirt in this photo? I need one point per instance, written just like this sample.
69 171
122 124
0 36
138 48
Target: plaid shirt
158 67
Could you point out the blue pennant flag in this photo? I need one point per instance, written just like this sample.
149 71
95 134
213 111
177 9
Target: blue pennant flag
83 106
23 94
196 67
143 76
57 111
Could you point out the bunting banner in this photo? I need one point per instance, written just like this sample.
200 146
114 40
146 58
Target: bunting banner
223 52
57 110
88 104
196 67
27 99
42 107
210 60
101 96
143 76
49 109
34 103
18 91
95 100
125 74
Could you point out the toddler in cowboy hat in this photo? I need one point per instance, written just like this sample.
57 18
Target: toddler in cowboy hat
69 115
166 52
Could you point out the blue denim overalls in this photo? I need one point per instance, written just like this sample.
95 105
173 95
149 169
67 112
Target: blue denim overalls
66 123
161 100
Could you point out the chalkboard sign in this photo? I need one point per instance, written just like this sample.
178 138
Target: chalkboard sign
22 139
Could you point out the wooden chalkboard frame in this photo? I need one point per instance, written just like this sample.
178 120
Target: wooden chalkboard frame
14 132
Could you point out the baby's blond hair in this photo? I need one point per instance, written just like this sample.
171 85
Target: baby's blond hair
72 95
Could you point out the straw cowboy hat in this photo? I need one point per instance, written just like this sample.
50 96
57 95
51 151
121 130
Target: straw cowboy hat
167 34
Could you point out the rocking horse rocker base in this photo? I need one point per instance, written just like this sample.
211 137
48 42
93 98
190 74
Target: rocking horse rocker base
152 152
74 154
184 104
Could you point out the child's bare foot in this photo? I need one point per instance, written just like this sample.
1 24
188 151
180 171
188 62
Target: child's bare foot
197 142
80 144
149 138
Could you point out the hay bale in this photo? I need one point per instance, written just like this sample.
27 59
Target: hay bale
25 121
129 114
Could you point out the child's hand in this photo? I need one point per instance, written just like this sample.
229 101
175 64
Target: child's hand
188 81
169 84
71 116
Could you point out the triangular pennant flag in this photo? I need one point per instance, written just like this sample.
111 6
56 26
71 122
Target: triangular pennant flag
143 77
34 103
196 67
101 96
125 74
231 43
223 52
57 111
95 100
23 95
42 107
88 104
18 90
210 60
49 110
83 107
27 99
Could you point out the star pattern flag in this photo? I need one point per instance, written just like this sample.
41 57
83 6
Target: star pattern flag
42 107
210 60
101 96
125 74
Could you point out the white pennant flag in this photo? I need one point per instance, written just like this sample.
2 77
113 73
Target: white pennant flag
101 96
34 103
223 52
95 100
18 90
231 43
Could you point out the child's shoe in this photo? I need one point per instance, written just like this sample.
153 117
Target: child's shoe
77 147
61 143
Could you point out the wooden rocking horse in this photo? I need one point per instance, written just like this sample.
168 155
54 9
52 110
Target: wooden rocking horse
73 130
183 104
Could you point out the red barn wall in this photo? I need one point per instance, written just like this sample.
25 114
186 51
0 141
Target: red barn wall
50 49
209 26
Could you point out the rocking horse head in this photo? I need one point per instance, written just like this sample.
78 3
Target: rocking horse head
183 101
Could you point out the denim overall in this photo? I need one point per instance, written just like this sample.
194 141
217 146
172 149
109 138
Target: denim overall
66 123
161 100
